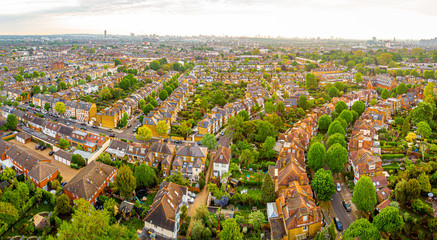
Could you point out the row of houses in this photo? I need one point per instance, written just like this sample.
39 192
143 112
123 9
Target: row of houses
168 110
54 131
110 116
80 110
294 214
39 171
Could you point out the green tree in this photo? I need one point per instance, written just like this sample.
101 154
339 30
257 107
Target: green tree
11 122
257 218
280 107
53 89
36 89
178 179
263 130
358 107
373 102
316 156
267 149
401 88
336 127
347 115
268 189
364 195
424 183
244 115
63 204
147 108
62 85
385 94
209 141
340 106
423 129
388 220
144 133
269 107
162 127
7 174
323 184
145 176
218 98
422 112
275 120
231 230
154 65
336 138
78 160
311 81
125 181
361 229
88 223
333 92
185 128
8 213
197 229
63 143
324 122
336 157
47 106
60 108
163 95
303 102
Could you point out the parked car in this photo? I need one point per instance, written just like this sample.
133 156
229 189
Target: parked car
42 148
112 135
83 124
128 126
94 126
346 206
83 128
338 224
110 130
37 147
51 153
63 183
338 187
223 133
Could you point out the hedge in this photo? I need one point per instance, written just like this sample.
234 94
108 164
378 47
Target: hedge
3 229
392 156
29 204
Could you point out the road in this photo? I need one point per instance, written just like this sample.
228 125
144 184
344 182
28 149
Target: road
340 212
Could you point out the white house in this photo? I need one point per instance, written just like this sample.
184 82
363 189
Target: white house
63 157
221 161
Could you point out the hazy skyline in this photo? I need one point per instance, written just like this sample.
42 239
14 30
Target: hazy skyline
355 19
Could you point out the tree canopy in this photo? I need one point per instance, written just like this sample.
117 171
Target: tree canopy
323 184
316 156
364 195
125 181
336 157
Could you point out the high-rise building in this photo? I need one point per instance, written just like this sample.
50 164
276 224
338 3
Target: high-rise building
105 34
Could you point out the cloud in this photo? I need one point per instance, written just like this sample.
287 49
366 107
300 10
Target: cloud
344 18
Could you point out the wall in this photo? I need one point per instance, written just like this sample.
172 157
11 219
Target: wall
100 151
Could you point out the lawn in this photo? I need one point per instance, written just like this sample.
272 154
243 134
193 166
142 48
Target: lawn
37 208
256 192
133 224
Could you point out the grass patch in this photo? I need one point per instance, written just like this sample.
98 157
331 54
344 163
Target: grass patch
133 224
16 229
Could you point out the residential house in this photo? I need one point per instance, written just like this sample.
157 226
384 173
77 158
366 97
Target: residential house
222 160
90 181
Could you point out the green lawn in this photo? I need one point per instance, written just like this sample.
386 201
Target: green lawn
37 208
133 224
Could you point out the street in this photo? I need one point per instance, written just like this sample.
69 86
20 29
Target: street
340 212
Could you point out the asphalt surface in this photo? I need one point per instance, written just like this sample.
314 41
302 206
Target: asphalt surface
340 212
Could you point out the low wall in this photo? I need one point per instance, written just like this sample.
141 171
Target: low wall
100 151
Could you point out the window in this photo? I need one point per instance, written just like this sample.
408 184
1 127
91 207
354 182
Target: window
304 228
304 218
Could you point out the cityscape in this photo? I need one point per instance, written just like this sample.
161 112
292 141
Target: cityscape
187 132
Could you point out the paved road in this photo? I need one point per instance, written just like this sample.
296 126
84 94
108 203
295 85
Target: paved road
340 212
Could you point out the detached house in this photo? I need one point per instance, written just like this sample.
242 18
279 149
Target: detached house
363 163
90 181
222 160
163 219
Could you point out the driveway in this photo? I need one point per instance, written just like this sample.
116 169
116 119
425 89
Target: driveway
66 172
201 197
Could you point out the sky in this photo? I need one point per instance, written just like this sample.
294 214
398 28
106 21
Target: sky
352 19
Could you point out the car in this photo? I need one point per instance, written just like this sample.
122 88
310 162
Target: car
34 109
217 139
338 224
223 133
51 153
346 206
37 147
166 140
83 128
338 187
42 148
110 130
128 126
112 135
83 124
63 183
94 126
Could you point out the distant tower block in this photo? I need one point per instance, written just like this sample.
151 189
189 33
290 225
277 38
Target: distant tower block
105 34
132 34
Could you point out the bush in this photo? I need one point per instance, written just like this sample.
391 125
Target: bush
392 156
420 207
